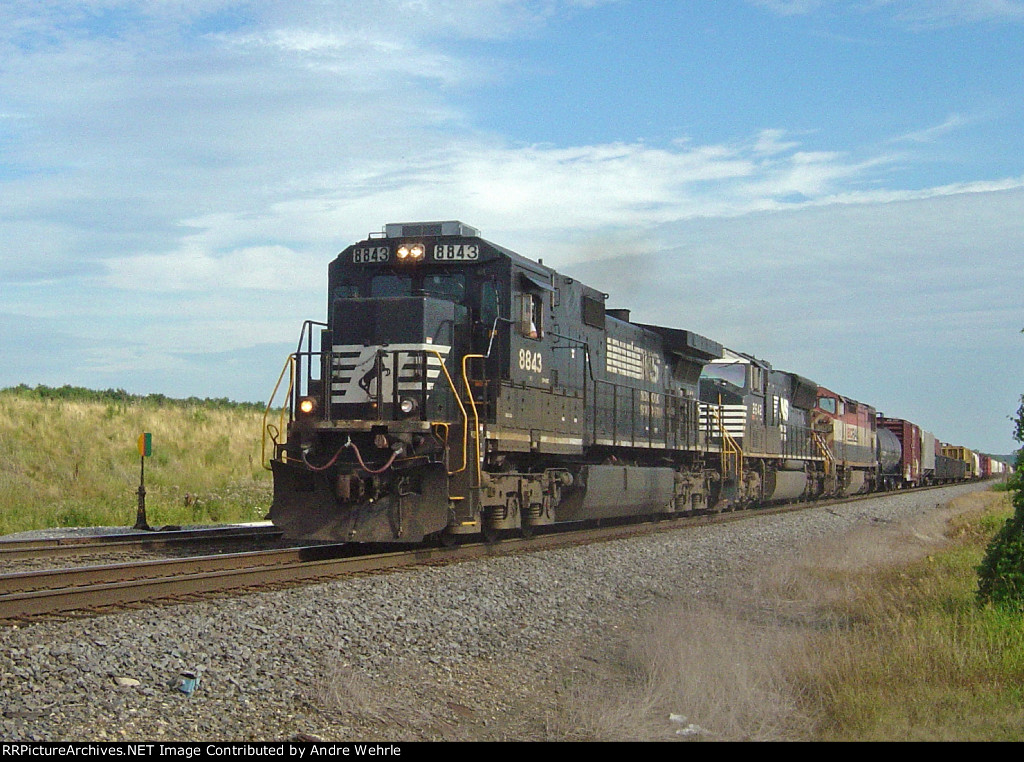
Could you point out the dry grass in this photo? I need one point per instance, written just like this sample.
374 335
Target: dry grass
343 689
873 637
701 673
348 703
75 463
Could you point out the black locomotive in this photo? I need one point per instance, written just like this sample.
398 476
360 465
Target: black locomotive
460 388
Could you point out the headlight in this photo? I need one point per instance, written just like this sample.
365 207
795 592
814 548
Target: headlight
407 406
411 252
307 405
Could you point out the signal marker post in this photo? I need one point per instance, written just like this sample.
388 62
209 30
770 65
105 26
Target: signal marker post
145 449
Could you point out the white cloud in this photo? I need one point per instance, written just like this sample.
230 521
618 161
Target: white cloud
252 268
290 132
527 194
789 7
771 142
916 13
952 124
955 12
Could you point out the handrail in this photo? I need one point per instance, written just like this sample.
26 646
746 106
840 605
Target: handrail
826 453
288 364
462 408
730 447
476 417
306 334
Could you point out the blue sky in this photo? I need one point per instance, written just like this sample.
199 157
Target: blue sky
837 187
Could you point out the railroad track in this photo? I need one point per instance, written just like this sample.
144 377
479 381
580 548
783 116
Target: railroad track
100 588
16 550
97 588
30 594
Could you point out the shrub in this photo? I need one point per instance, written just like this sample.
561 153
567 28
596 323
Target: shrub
1001 573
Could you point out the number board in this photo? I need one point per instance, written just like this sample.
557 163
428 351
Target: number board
449 252
365 254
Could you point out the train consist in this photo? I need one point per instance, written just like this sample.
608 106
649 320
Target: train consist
458 388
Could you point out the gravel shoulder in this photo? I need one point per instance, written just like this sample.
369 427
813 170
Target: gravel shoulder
491 650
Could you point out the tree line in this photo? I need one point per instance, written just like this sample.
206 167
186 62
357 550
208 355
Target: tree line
122 397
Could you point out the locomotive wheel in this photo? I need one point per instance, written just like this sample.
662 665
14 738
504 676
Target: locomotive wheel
490 533
448 540
528 531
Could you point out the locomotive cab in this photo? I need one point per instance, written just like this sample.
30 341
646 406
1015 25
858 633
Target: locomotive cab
847 431
386 356
736 383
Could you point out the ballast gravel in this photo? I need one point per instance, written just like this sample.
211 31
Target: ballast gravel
479 650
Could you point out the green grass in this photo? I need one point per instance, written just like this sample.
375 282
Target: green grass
919 659
68 457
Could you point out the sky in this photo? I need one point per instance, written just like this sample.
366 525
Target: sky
835 187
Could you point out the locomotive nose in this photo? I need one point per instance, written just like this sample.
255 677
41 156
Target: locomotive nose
386 358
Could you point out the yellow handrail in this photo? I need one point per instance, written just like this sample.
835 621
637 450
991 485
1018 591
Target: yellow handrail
826 453
476 417
462 408
289 364
730 447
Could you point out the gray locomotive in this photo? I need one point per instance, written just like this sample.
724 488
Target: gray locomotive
459 388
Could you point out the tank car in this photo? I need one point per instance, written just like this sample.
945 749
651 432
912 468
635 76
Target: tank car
910 468
889 455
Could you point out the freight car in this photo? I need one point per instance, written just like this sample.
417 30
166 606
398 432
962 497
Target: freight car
910 469
968 457
949 470
458 388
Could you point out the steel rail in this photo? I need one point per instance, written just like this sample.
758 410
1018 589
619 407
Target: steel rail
132 571
16 550
28 594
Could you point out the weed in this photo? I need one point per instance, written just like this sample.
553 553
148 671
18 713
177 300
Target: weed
866 639
68 457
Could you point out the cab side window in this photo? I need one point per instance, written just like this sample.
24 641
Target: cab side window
531 315
488 303
756 380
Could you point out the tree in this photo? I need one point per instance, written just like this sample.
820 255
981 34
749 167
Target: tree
1001 573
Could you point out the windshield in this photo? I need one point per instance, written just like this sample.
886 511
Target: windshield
451 287
391 285
734 373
